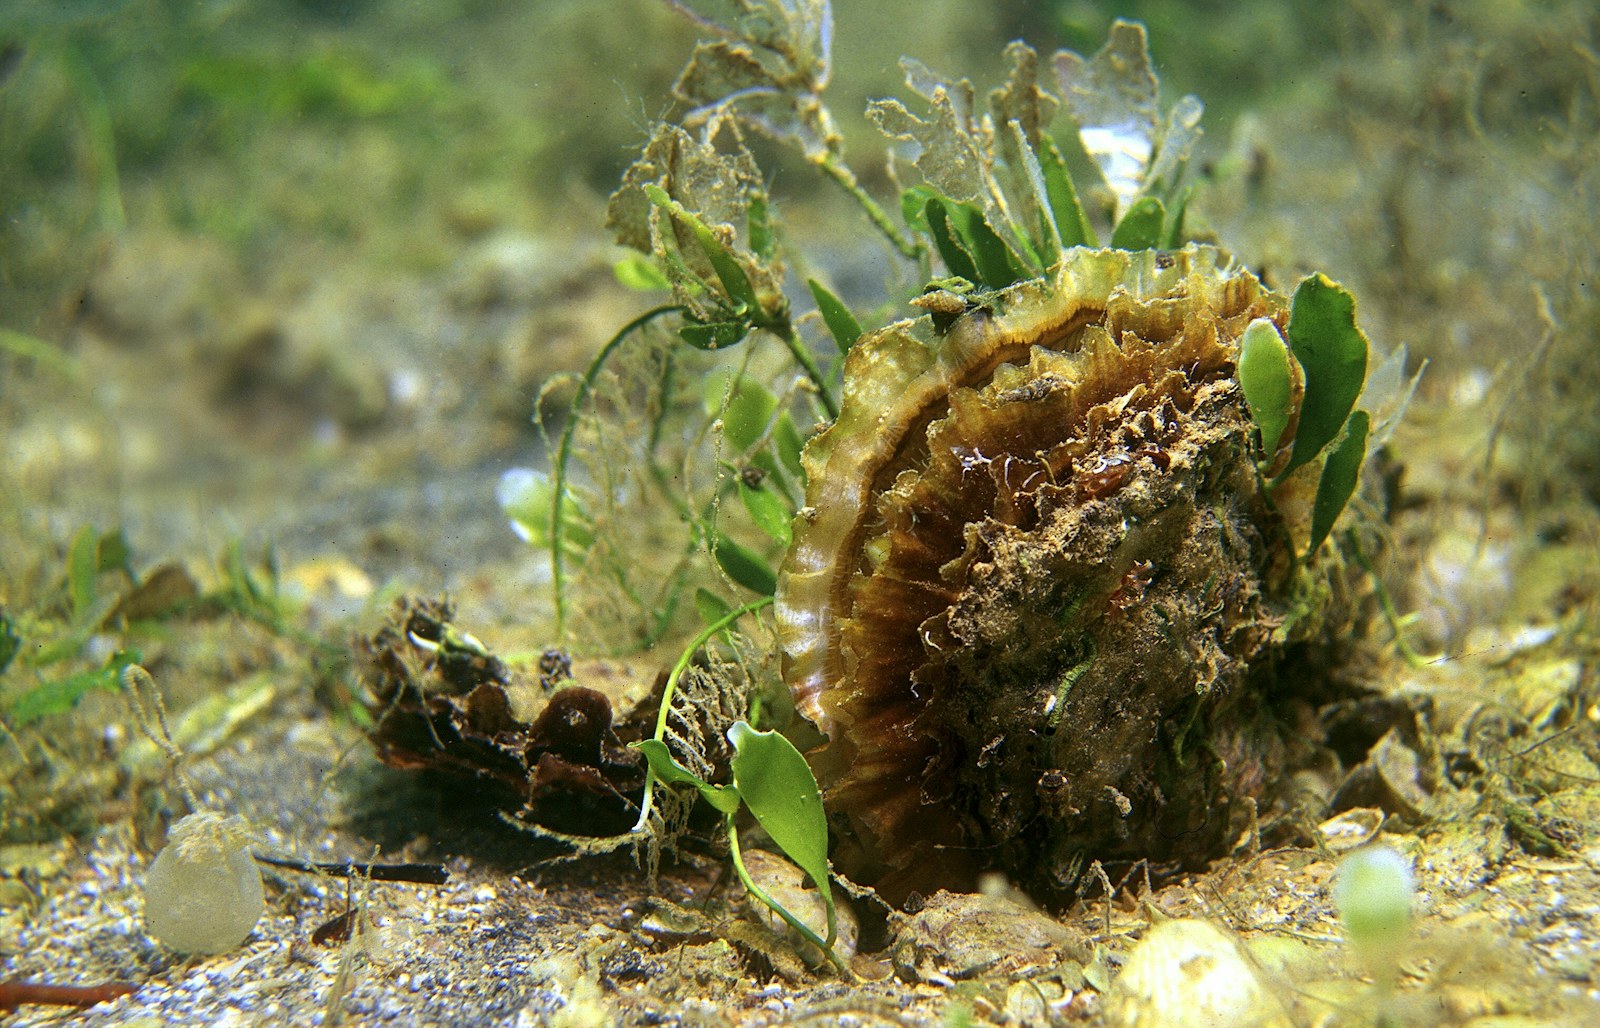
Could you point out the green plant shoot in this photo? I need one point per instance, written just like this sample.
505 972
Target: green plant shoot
1330 348
1267 379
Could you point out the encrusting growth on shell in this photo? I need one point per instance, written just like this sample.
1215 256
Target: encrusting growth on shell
1036 567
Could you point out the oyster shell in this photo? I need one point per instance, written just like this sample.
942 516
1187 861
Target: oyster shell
1036 571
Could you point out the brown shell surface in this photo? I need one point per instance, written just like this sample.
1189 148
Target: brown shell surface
1034 573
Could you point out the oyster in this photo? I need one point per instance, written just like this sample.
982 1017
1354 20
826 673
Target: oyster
1038 576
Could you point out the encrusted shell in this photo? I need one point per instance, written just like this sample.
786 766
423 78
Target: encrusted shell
1036 565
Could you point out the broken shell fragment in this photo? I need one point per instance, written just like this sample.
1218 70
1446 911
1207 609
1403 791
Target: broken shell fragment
1189 972
1037 575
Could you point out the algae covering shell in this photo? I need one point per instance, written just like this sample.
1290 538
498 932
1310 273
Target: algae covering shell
1037 577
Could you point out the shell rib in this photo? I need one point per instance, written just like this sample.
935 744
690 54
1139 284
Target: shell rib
1033 562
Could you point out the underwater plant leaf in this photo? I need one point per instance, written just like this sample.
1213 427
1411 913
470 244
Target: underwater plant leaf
1112 97
1339 476
768 511
745 566
10 640
711 607
112 553
797 32
559 468
700 177
1388 394
82 565
777 785
1333 353
744 405
913 204
527 498
1172 237
637 272
1043 238
684 202
946 151
1140 228
45 354
1019 115
718 335
762 241
925 82
1072 224
729 272
664 767
1021 100
960 230
956 259
786 440
1178 138
58 696
998 265
1268 382
62 694
770 91
842 324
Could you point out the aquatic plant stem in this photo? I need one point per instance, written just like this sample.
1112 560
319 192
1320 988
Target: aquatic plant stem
793 922
671 688
908 247
564 453
802 356
101 137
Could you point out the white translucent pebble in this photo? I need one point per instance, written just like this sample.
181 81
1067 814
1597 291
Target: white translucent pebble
203 893
1187 972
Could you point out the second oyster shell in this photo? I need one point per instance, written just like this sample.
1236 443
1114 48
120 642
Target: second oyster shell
1037 568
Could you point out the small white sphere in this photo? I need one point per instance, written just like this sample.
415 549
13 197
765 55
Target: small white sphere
202 894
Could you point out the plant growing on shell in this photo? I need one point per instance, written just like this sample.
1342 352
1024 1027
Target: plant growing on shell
997 206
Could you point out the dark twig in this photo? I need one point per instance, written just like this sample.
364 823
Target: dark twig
420 874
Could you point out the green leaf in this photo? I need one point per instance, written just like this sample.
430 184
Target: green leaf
1140 227
746 567
759 220
62 694
768 511
722 797
717 335
45 354
786 439
526 496
638 272
956 259
113 553
841 323
711 607
746 408
913 206
729 271
1267 380
10 640
1173 239
1333 353
994 263
1072 224
781 792
1339 476
83 563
